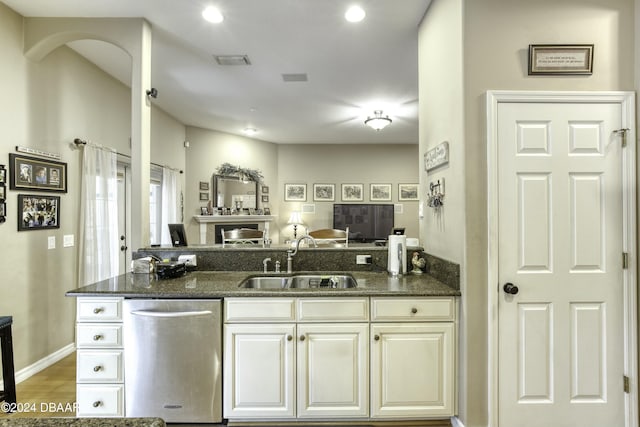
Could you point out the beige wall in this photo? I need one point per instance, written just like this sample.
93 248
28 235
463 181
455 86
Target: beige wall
45 105
496 35
440 60
299 164
339 164
208 149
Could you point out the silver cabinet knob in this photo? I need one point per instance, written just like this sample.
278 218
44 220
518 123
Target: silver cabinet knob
97 337
376 337
97 368
302 338
98 310
414 310
97 403
289 338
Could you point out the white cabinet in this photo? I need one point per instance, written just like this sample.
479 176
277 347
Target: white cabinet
259 371
412 358
271 342
333 370
99 369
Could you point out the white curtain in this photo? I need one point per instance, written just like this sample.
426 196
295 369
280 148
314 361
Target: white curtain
99 244
169 209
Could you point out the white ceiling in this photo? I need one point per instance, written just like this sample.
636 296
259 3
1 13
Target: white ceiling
352 69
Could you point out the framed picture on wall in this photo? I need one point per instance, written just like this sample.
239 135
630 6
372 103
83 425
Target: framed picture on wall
407 192
295 192
380 193
324 192
204 196
31 173
352 192
38 212
204 186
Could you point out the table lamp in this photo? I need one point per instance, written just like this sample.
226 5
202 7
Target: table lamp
295 219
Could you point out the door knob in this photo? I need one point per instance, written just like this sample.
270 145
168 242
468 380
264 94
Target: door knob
510 288
123 248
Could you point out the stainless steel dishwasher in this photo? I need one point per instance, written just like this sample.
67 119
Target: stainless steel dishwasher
172 353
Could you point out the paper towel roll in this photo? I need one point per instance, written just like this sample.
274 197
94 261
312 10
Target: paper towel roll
397 254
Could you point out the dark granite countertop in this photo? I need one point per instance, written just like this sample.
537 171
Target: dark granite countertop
221 284
82 422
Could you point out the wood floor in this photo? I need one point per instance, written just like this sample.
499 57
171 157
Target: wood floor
49 393
52 393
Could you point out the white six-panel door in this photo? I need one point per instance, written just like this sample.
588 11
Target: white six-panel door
561 314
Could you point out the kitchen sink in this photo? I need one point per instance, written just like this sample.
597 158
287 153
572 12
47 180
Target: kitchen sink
300 281
266 282
333 281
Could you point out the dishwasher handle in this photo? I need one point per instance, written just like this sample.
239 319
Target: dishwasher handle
171 313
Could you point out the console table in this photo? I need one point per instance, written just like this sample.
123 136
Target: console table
205 220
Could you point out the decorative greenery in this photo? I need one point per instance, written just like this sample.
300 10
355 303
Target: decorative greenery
244 174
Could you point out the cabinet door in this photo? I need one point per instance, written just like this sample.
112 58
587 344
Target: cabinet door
412 370
333 370
259 371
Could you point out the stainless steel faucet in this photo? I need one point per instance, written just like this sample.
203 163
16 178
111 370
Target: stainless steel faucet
292 252
264 264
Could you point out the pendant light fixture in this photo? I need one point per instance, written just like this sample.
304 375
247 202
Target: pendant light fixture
378 121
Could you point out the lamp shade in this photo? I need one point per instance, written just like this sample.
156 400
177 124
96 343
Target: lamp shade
295 218
378 121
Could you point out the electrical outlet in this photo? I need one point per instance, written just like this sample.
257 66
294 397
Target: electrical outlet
363 259
189 260
51 242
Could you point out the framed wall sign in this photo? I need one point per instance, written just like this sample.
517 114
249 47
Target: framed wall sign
38 212
560 59
31 173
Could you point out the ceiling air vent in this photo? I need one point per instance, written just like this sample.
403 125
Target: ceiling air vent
232 59
297 77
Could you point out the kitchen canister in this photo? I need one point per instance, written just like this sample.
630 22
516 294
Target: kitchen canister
397 254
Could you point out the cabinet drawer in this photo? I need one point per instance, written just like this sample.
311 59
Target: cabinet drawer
99 366
99 335
412 309
257 309
333 309
99 309
100 400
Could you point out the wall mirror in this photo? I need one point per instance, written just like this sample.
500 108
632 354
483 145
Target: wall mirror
227 190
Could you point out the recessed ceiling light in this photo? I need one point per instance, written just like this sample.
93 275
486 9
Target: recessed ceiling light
354 14
250 131
212 14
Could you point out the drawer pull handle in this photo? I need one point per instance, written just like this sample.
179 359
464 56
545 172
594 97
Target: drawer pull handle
97 403
97 337
301 337
289 338
98 310
97 368
376 337
414 310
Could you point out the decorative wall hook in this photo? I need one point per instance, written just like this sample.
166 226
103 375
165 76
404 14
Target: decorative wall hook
152 93
436 194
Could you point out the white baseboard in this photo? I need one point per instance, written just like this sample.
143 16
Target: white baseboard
455 422
45 362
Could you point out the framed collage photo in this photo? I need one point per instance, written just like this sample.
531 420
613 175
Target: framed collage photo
38 212
31 173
